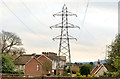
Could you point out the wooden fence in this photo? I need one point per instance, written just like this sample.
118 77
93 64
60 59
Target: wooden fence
20 76
54 78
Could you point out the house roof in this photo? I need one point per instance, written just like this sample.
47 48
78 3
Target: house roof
54 57
37 56
23 59
97 68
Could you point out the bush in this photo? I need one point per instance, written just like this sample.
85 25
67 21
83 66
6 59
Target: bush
88 75
84 70
68 73
7 64
94 75
81 76
77 74
68 70
84 75
112 74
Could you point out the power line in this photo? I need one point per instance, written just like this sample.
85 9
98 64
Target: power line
85 18
17 16
86 11
30 11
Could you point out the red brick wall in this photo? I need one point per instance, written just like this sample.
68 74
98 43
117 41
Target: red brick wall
41 59
47 64
31 68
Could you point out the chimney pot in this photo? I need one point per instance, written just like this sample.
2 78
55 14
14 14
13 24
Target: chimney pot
98 62
33 54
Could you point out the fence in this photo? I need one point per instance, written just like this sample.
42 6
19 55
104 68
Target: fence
20 76
54 78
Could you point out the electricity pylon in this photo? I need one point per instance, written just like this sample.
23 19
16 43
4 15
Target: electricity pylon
64 37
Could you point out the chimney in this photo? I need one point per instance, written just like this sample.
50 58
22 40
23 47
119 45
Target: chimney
33 54
98 62
49 53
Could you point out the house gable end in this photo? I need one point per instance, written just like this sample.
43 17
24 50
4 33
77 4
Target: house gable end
35 59
101 66
45 57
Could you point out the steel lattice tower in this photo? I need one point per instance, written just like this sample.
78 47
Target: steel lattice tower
64 37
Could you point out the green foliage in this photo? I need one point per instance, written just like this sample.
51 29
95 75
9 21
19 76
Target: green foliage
88 75
91 63
110 67
113 52
112 74
20 72
94 75
81 76
64 71
84 75
68 70
77 74
68 74
116 63
7 64
85 69
0 63
113 62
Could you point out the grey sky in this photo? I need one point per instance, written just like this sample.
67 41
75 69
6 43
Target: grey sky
99 29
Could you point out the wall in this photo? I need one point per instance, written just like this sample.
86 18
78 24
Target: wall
47 64
54 63
62 64
101 71
31 68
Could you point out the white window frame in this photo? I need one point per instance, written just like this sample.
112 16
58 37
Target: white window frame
37 67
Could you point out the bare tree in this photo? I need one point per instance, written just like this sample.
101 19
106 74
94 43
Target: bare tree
9 41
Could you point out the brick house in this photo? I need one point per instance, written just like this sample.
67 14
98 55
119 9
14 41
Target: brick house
53 56
47 64
98 70
29 64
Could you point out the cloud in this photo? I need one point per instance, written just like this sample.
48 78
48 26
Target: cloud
82 52
98 30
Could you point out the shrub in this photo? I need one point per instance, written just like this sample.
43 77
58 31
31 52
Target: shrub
84 70
68 74
84 75
77 74
88 75
7 64
94 75
81 76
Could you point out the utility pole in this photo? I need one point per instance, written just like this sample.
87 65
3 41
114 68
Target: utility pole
64 37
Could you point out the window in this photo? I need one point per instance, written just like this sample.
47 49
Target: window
22 66
38 67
